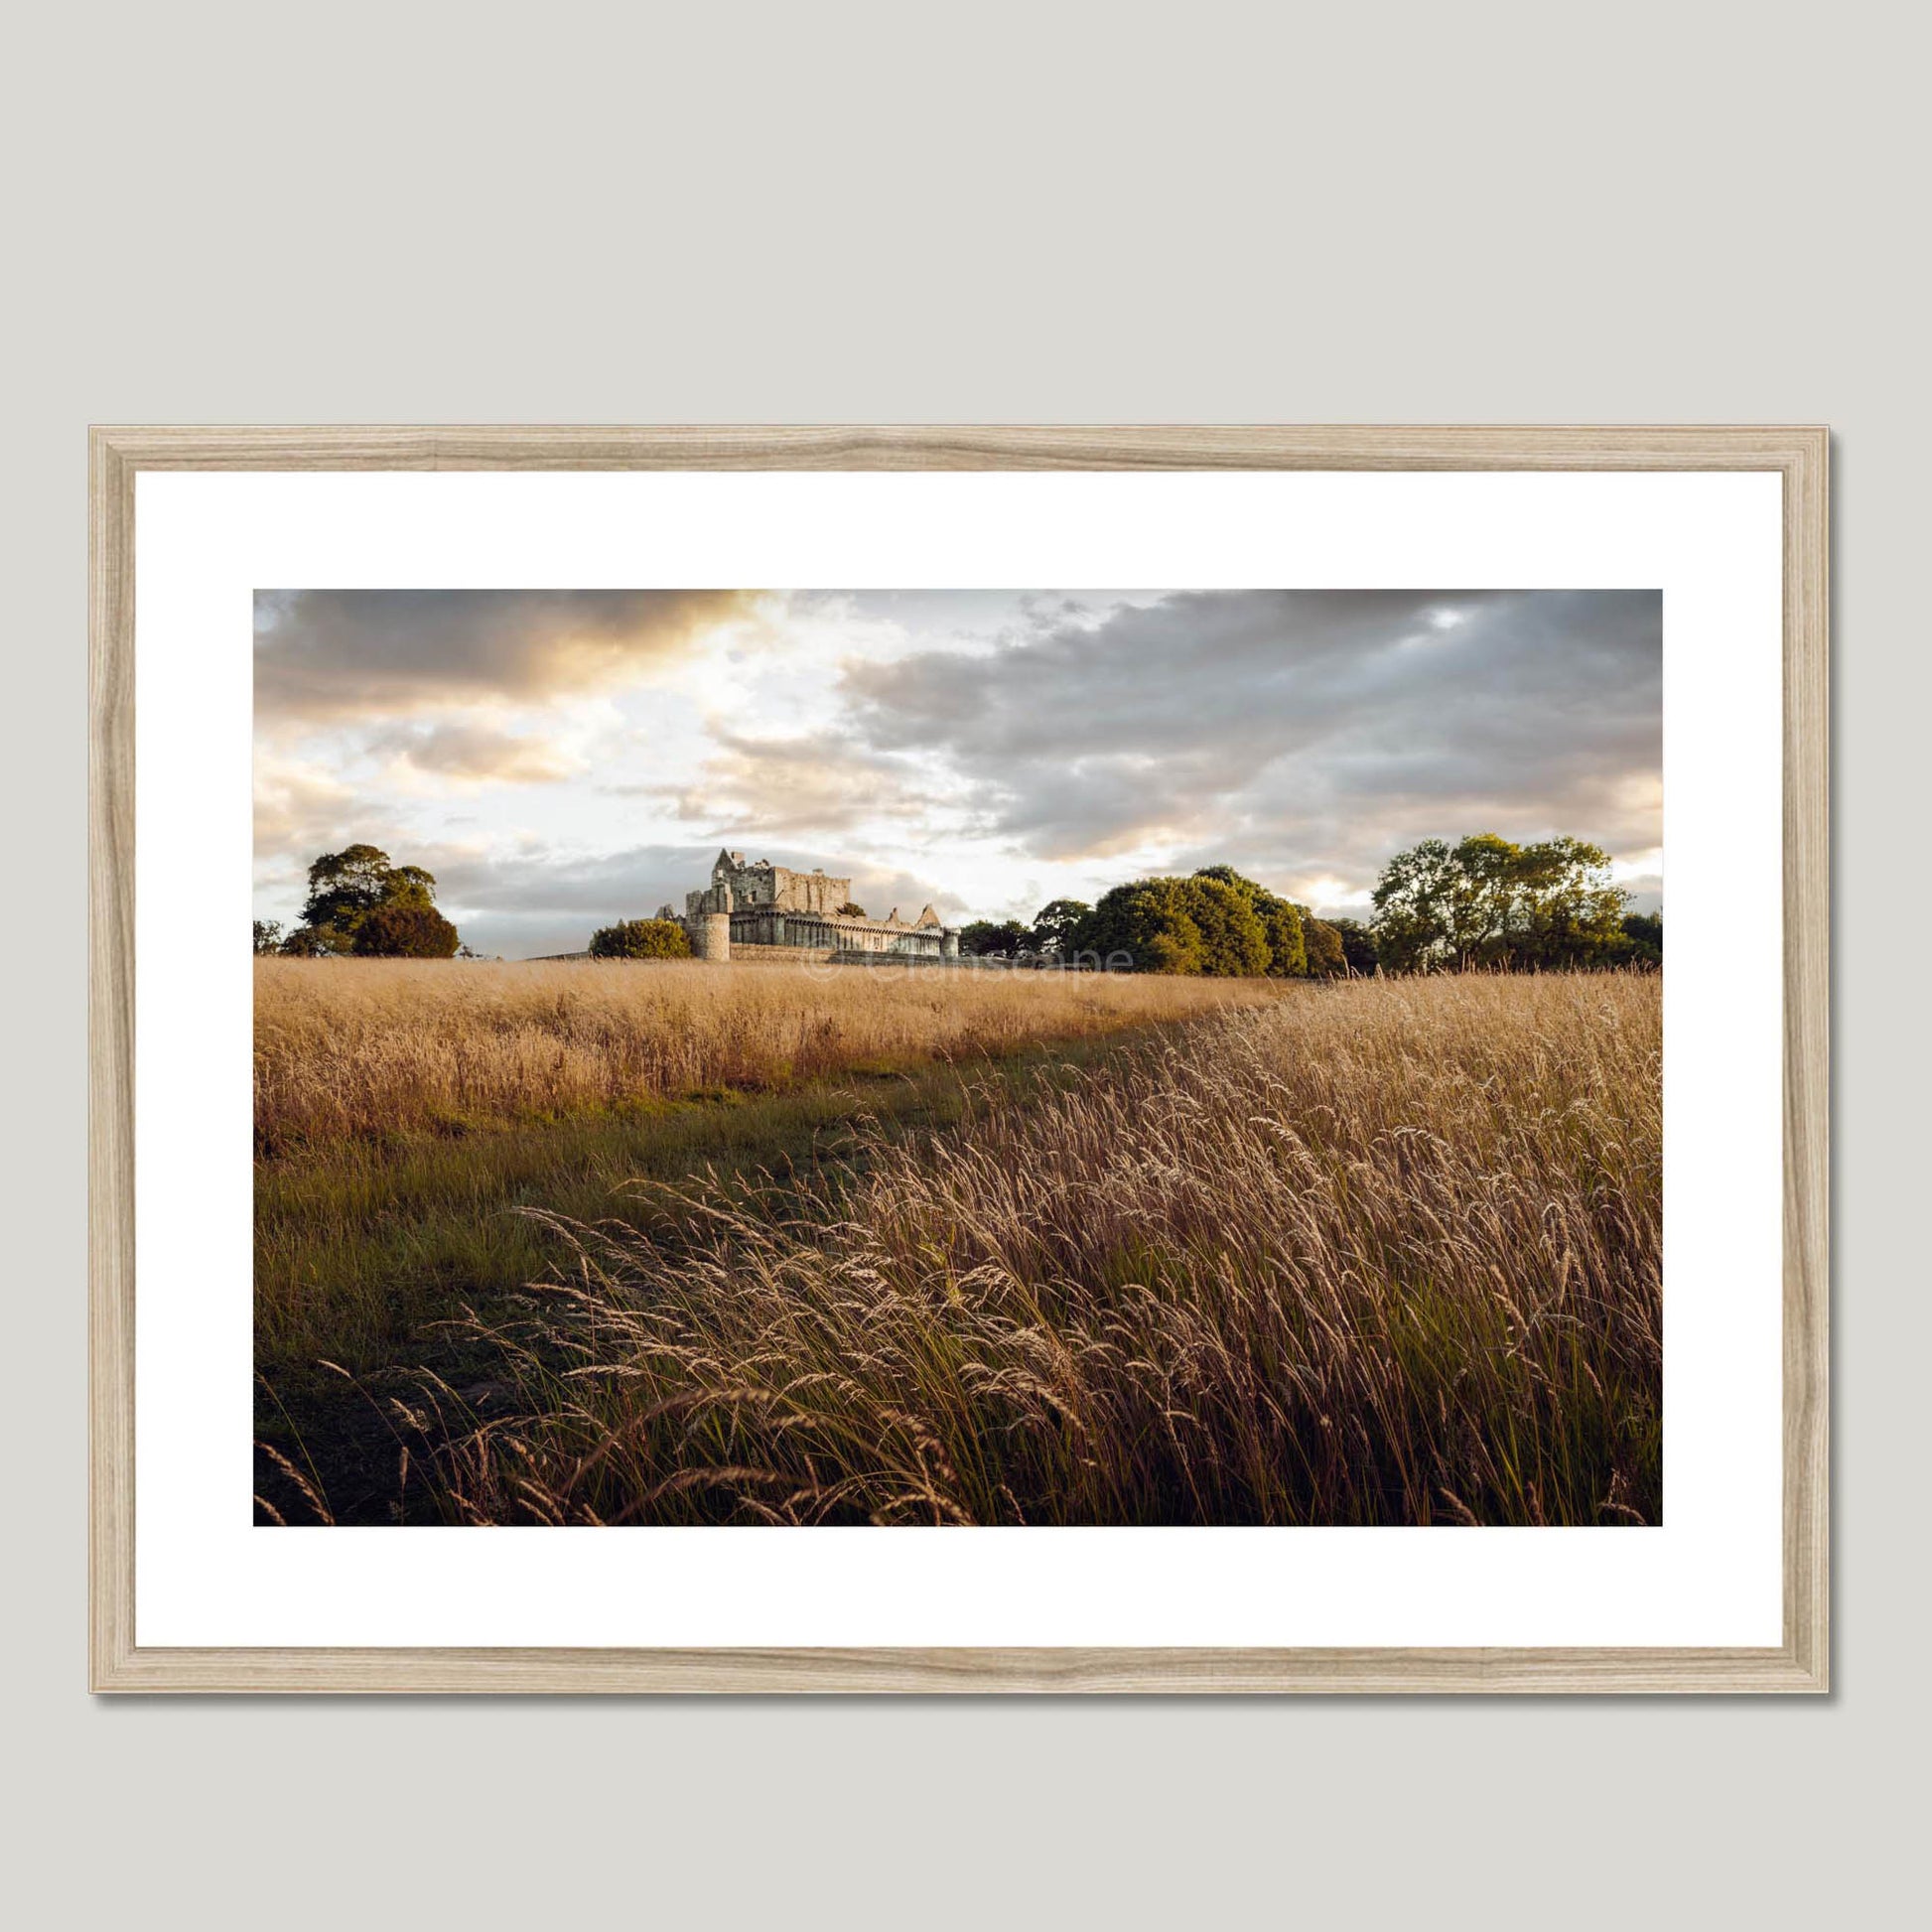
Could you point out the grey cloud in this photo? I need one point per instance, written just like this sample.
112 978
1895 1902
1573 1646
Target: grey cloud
1646 893
1311 732
333 654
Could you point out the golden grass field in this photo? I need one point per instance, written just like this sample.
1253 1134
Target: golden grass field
1378 1252
369 1047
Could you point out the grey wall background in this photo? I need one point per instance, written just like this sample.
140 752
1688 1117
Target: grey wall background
576 214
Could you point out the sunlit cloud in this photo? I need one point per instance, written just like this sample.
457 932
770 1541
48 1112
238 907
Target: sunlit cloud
466 754
797 785
349 654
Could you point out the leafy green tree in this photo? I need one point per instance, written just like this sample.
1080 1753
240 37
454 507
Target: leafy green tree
1177 925
1286 928
268 935
1486 901
1565 910
1326 958
346 887
641 939
1055 923
404 930
1234 934
1281 922
1357 946
1414 908
1645 932
993 938
349 888
312 942
852 910
1144 925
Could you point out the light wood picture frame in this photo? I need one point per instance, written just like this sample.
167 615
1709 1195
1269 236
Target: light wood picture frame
1798 455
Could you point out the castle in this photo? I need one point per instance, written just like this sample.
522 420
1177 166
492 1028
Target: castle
762 905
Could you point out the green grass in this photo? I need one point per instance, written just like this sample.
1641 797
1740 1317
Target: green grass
363 1248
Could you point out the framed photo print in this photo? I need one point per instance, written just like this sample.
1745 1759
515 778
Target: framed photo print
959 1060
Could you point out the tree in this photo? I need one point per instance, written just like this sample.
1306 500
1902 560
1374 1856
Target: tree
1326 958
1564 911
268 935
1414 908
1235 938
1177 925
1486 901
405 931
1286 925
1645 932
993 938
1281 922
1357 946
349 888
1055 923
641 939
1145 924
346 887
312 942
852 910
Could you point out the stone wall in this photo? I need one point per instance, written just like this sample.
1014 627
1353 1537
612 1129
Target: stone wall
766 926
777 887
912 959
753 955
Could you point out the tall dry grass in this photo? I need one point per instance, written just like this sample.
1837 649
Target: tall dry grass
365 1047
1385 1253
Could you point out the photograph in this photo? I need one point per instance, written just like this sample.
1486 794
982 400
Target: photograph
1039 1058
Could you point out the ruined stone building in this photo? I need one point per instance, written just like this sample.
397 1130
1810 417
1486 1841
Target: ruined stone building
762 905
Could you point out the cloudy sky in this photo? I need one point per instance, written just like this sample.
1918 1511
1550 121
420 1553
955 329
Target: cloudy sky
564 758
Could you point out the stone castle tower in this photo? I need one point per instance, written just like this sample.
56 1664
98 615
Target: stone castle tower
708 921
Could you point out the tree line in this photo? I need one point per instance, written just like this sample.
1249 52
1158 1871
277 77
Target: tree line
1487 903
1213 922
1483 902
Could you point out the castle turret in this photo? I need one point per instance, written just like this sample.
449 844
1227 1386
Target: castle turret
708 923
